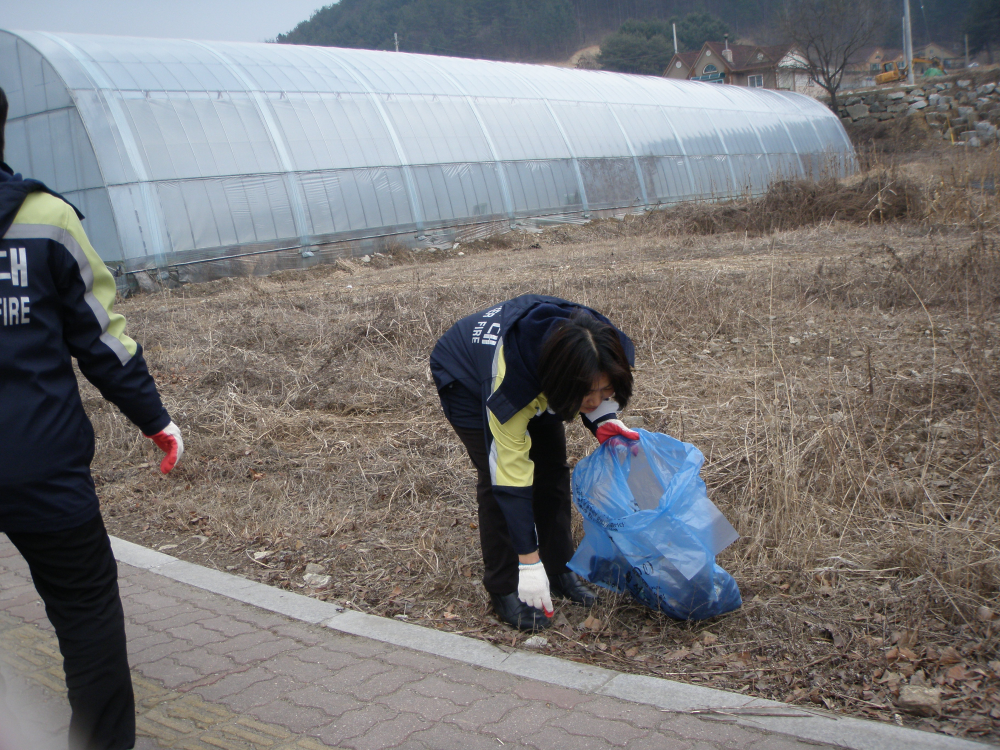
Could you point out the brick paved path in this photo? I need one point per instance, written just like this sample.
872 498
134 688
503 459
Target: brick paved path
211 672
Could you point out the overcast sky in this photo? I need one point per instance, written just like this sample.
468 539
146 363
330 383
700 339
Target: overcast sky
218 20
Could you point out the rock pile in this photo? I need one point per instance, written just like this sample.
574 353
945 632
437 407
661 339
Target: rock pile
956 110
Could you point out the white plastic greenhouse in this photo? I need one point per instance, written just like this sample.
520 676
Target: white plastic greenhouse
227 158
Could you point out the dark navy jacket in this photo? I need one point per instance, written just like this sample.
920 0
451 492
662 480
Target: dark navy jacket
56 304
494 355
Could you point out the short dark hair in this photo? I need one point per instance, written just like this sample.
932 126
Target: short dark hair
3 120
574 355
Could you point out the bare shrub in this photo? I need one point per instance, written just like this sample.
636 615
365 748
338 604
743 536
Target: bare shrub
877 140
878 197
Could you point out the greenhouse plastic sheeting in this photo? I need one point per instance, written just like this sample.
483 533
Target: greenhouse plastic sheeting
180 151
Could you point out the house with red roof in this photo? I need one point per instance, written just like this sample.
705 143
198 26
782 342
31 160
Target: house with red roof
681 64
753 65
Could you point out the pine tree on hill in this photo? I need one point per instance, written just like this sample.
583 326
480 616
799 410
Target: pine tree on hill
646 46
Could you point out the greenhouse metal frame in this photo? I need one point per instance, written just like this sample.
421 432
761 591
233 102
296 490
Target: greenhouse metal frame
184 153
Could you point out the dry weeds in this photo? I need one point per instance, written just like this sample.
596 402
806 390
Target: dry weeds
839 374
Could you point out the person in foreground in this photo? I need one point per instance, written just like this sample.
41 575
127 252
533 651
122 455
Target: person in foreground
508 377
56 298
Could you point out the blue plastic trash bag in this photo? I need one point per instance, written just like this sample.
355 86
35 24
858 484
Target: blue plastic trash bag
649 527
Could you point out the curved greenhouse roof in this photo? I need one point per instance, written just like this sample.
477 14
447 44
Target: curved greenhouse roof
181 151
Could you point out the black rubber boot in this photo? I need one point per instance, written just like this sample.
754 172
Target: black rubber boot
570 586
514 612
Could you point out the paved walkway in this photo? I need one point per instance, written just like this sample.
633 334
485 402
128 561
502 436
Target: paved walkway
224 663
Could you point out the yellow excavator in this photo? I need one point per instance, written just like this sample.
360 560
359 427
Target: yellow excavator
893 71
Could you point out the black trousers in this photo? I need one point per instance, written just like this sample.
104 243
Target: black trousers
75 573
551 506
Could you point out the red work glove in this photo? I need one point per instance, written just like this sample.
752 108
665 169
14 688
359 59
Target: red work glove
170 442
611 427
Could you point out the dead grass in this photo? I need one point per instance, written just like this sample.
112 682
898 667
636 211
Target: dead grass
838 370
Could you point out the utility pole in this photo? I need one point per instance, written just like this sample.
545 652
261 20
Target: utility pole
675 41
908 38
395 36
966 50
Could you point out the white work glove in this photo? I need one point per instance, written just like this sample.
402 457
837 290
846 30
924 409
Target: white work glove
169 441
533 587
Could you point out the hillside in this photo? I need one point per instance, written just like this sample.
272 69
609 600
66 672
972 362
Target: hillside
497 29
543 30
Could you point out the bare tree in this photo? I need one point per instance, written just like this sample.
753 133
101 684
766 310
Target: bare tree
831 33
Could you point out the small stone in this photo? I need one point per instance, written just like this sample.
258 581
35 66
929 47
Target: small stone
316 580
918 104
461 254
536 641
315 568
857 353
986 89
896 95
857 111
986 132
920 700
366 259
146 283
985 614
964 83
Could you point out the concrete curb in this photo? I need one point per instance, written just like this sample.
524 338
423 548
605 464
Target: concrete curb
807 724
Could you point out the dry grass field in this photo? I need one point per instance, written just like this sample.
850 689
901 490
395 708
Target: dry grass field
834 351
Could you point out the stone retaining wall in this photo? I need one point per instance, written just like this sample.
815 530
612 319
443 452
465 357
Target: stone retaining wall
957 110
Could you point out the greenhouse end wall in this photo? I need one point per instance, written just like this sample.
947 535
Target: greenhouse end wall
248 157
